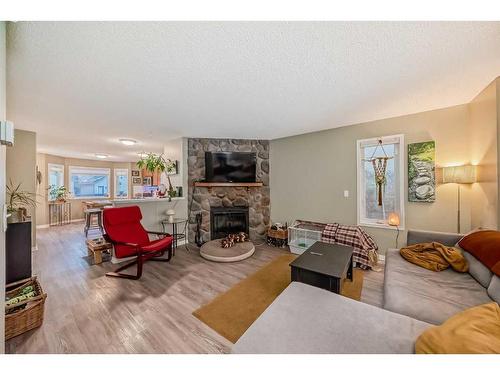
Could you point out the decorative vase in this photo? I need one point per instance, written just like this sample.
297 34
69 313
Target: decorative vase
170 215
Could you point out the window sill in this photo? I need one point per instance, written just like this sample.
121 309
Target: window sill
381 226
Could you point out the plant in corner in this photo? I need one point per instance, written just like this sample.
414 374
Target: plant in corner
58 193
153 162
19 200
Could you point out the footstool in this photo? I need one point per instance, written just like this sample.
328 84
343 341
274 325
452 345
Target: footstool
96 246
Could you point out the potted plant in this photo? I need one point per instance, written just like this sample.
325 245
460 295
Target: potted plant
153 162
18 201
58 193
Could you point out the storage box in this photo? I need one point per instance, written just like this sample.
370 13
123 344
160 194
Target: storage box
303 234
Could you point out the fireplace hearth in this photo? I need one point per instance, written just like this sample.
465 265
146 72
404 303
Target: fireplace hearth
226 220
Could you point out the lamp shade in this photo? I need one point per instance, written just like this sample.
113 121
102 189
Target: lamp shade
393 219
464 174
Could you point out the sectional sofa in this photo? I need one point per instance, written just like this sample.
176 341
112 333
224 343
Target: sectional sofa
305 319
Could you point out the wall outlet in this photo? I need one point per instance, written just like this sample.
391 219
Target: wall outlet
346 193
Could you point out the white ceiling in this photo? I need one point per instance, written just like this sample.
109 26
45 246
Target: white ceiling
83 85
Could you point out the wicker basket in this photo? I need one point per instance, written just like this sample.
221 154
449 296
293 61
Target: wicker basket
28 318
281 234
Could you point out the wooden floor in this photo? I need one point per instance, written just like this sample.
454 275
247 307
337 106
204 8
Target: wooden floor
87 312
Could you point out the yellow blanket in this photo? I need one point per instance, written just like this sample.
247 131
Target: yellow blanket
435 256
475 330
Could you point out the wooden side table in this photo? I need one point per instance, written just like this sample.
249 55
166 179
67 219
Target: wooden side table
59 213
95 248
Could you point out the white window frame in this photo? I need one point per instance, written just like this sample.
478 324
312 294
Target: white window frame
49 167
72 169
115 175
361 219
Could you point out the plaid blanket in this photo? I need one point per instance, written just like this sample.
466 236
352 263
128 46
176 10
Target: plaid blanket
354 236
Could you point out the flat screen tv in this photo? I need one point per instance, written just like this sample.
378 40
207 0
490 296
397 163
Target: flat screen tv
230 166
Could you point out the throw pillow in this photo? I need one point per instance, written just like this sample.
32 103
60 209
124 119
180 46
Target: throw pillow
475 330
485 246
494 289
477 270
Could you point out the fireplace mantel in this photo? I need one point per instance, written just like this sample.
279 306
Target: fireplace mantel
210 185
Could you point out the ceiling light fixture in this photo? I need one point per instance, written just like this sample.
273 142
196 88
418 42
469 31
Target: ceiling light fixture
101 156
128 141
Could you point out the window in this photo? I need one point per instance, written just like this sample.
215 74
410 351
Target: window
121 183
370 213
56 179
86 182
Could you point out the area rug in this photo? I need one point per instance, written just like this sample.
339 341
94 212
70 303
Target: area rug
231 313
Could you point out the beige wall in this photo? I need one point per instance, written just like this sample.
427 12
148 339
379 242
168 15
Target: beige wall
483 152
2 184
21 167
177 150
76 204
310 172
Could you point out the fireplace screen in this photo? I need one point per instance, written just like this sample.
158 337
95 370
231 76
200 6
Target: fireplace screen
225 220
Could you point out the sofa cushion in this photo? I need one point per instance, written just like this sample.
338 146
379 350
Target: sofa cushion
305 319
418 236
494 289
477 269
485 246
427 295
475 330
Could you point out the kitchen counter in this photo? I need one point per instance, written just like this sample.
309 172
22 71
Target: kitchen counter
154 210
144 200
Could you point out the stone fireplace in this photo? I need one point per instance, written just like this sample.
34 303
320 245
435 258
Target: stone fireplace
226 220
255 199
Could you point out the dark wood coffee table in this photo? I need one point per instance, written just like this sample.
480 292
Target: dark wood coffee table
324 265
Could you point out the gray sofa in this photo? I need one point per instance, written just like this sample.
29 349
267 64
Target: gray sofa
305 319
431 296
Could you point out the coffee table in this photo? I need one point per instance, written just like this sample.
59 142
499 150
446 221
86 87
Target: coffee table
324 265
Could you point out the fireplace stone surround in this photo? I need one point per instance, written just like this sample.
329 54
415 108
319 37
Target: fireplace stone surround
257 199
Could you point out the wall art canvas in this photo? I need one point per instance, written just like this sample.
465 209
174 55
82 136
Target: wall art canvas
421 172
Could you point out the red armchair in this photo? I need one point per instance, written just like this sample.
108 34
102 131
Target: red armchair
129 238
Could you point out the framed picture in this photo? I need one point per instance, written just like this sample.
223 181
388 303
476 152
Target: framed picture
147 181
421 172
174 170
136 180
136 173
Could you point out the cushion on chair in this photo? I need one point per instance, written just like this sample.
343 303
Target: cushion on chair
158 245
123 224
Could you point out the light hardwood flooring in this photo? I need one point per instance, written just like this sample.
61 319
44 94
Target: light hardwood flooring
86 312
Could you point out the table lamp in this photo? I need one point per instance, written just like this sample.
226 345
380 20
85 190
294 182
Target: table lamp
464 174
393 221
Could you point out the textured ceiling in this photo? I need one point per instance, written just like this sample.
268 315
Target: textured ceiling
83 85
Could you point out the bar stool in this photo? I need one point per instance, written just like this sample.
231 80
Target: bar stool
90 213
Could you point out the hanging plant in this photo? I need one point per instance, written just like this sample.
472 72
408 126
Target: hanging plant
153 162
379 167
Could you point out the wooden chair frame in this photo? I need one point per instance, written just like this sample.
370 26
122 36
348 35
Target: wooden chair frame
142 257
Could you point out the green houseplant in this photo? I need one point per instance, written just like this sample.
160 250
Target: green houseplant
58 193
153 162
19 200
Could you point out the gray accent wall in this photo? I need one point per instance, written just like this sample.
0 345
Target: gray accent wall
311 171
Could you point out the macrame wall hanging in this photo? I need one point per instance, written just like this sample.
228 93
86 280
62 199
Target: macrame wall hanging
379 164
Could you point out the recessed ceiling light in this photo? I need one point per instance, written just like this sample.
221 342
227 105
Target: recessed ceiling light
128 142
101 156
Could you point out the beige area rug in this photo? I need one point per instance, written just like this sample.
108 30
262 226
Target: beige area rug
231 313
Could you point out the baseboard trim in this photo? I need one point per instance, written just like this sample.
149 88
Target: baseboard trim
45 226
